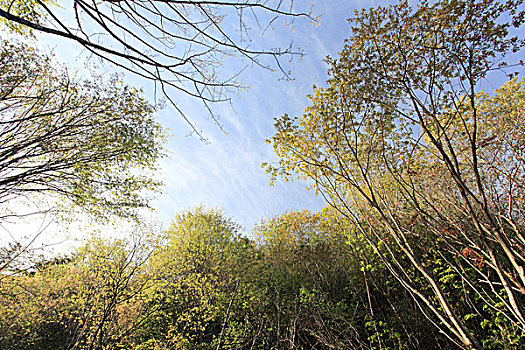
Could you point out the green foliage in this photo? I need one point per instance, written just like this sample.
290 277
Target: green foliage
34 309
93 300
322 284
196 275
92 144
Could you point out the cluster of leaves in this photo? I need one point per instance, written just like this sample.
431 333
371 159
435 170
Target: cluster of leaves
88 301
94 142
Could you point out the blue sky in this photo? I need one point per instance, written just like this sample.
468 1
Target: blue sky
226 172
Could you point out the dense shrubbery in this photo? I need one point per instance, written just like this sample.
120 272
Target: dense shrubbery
307 281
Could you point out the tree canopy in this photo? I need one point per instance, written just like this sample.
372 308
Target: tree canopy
91 144
199 285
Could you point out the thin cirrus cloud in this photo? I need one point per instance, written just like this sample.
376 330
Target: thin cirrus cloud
226 172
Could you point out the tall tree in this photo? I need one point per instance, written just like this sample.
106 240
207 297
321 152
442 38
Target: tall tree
197 267
403 143
83 142
178 44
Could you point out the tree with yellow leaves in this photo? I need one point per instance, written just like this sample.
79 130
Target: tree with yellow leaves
429 168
